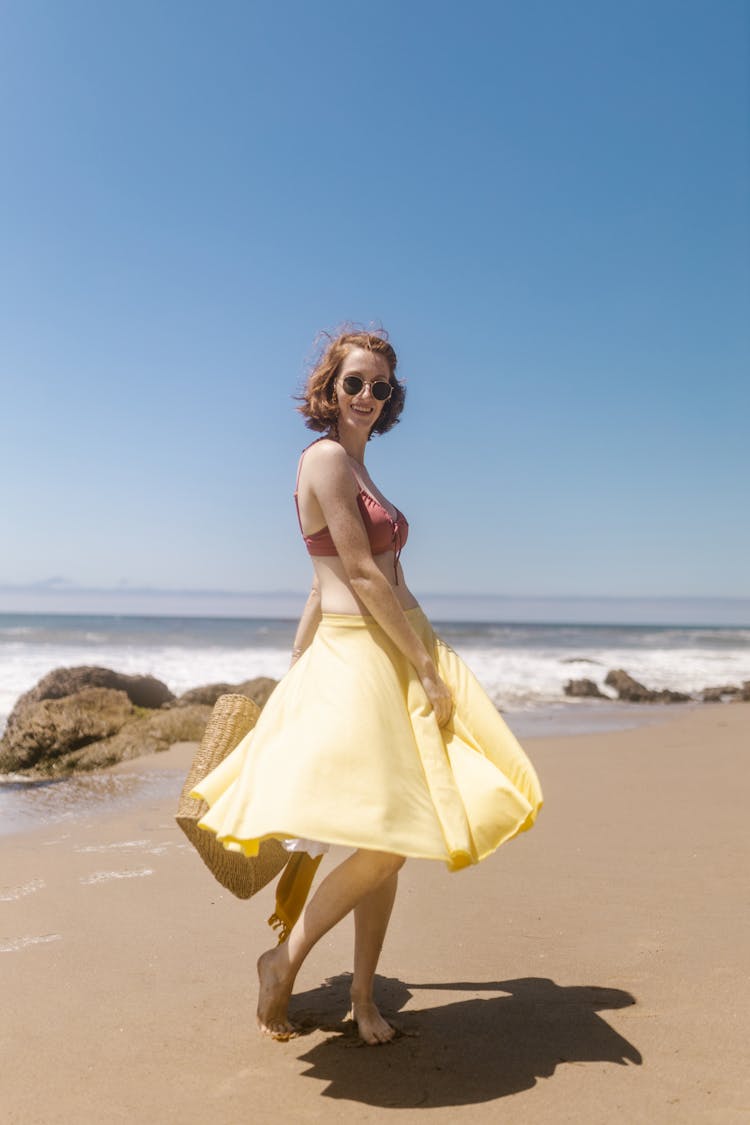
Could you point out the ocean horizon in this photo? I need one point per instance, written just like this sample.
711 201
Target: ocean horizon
60 596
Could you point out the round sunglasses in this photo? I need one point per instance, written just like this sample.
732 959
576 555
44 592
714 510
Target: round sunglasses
381 388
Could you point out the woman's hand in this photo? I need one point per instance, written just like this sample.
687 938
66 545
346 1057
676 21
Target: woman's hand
439 696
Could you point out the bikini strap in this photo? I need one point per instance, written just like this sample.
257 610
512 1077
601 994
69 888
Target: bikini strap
296 483
397 547
299 468
296 486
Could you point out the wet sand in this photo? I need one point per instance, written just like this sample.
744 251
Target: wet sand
594 970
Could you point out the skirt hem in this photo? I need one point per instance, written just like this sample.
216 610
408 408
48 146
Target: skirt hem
455 862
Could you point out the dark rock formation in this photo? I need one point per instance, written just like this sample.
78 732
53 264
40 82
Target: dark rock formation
70 708
48 730
714 694
150 734
143 691
667 696
631 691
208 694
92 728
626 687
86 717
258 690
583 688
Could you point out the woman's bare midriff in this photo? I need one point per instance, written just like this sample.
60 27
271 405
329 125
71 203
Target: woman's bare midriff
336 594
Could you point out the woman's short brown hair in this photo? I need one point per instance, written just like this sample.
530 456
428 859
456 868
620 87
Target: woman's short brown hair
319 405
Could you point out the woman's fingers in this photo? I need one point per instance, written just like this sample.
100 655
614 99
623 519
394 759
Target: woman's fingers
445 712
440 698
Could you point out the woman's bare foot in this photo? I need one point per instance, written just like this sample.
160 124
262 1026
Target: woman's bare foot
373 1028
274 992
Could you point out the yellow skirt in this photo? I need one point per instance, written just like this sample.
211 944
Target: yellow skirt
347 751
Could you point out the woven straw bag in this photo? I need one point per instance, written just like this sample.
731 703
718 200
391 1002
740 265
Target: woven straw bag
231 719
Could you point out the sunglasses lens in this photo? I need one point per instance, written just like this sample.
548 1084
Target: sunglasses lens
352 384
381 390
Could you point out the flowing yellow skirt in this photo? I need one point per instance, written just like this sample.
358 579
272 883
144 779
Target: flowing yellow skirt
347 751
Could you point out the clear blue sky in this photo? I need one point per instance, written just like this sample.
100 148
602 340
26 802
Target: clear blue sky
545 204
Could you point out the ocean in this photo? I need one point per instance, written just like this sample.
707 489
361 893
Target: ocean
523 667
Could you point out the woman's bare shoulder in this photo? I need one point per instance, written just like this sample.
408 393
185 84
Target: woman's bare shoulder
326 471
325 455
324 447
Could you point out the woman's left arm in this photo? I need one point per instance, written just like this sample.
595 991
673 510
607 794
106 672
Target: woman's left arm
308 623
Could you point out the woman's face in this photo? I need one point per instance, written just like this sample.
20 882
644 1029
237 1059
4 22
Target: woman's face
362 410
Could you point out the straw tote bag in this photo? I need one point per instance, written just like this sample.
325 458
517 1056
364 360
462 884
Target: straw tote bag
231 719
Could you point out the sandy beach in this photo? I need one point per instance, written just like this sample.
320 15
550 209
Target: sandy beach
594 970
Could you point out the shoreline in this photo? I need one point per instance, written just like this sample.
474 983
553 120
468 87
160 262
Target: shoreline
589 971
567 714
524 668
29 803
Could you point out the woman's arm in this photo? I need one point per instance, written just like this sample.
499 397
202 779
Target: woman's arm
308 623
336 492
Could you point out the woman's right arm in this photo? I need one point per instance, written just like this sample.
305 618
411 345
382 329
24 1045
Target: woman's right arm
335 489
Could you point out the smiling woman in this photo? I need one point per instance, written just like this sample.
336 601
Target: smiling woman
320 397
379 738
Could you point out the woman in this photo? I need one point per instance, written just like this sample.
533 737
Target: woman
378 738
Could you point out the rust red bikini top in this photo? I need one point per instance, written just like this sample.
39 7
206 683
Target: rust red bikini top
383 532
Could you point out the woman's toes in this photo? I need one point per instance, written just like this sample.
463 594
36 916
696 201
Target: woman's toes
277 1029
373 1028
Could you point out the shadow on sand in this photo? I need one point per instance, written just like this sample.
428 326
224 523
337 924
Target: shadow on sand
496 1042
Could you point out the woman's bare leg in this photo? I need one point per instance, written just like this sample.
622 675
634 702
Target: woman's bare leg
339 893
371 916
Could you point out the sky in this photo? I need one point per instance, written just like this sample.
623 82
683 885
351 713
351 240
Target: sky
545 205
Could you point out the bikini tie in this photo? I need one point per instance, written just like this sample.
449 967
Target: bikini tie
397 548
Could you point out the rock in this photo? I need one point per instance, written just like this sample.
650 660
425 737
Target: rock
143 691
744 693
94 728
45 732
258 690
32 734
714 694
86 717
147 735
631 691
626 687
666 695
583 688
207 694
